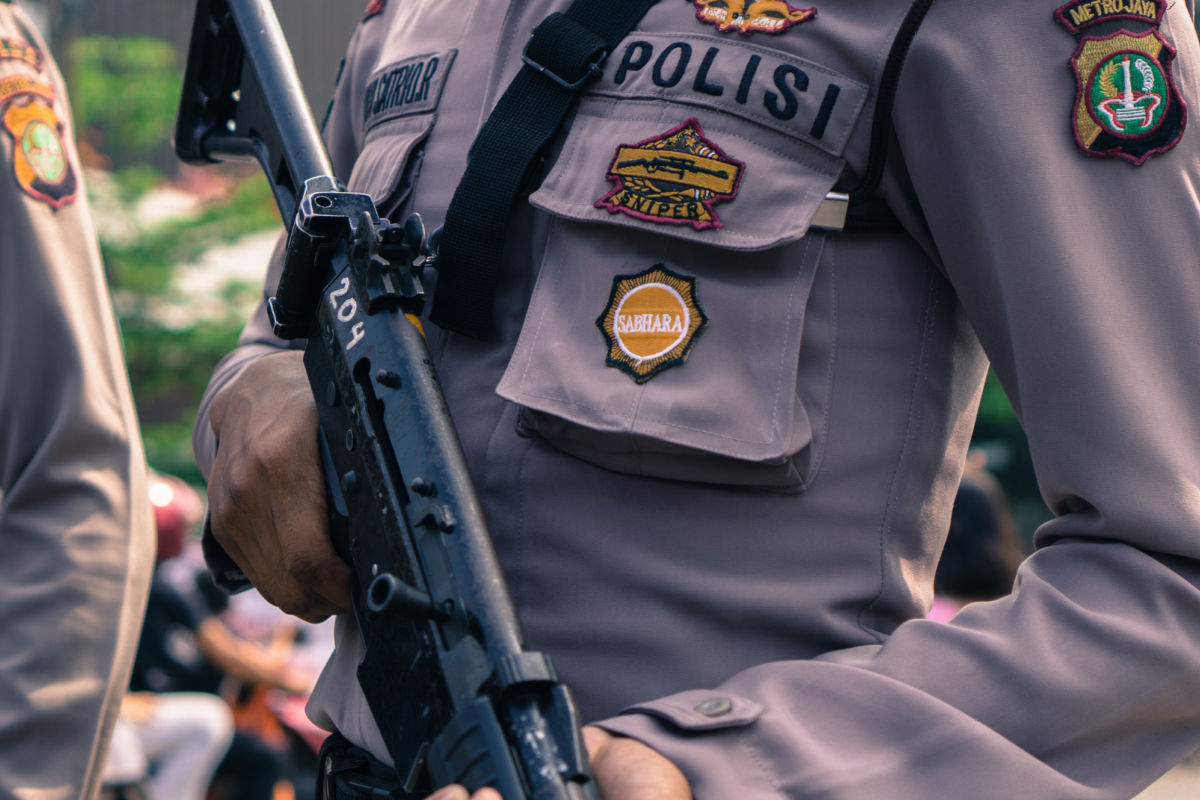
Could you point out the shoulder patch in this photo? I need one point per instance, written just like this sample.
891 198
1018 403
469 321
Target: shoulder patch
1083 13
1127 105
374 8
751 16
41 163
12 49
651 322
673 178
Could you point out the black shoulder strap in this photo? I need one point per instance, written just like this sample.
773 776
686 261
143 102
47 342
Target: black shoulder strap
881 123
563 55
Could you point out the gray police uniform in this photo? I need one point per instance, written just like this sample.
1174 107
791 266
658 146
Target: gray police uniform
718 442
75 522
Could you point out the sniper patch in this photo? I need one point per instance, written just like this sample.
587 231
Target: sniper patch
651 322
673 178
751 16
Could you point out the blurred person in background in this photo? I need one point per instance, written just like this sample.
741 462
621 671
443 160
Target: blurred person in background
983 548
186 657
74 522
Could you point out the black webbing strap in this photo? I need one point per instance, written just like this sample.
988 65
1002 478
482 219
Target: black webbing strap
563 55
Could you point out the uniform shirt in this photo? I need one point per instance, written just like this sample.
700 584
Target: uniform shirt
75 522
720 500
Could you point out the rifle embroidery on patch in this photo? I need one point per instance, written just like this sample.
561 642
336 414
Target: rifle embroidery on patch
1127 105
674 178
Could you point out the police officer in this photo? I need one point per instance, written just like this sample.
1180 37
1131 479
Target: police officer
718 431
75 523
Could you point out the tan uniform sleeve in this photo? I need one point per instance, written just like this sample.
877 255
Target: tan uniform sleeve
1078 270
74 514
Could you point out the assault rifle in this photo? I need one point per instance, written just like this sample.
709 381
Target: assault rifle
455 694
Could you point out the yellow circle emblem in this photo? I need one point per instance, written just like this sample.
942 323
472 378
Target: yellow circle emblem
651 321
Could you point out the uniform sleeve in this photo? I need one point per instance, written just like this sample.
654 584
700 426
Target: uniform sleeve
74 512
1078 270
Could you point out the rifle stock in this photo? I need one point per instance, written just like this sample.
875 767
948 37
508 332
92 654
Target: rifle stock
456 695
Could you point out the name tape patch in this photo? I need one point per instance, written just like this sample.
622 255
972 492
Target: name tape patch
1079 15
411 86
651 322
787 94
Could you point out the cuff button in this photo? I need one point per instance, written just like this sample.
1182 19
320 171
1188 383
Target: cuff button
714 706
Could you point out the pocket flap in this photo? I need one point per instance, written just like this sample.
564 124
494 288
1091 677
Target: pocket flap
384 162
736 395
728 183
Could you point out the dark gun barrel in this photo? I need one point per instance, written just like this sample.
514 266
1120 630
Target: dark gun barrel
456 695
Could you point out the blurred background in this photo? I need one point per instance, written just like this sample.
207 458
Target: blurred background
184 248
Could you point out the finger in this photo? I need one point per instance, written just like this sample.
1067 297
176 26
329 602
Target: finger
626 769
450 793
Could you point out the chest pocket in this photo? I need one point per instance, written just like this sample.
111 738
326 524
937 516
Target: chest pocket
398 110
674 330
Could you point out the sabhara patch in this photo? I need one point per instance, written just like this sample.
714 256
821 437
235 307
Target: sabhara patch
751 16
674 178
1081 14
40 161
1127 104
651 322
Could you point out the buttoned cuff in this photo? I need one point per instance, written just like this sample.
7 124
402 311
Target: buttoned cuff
704 733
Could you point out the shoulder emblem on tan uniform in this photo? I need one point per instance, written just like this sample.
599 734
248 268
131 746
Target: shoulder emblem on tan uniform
374 8
40 162
651 321
674 177
751 16
1127 105
19 50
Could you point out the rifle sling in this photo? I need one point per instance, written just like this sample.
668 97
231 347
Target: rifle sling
561 58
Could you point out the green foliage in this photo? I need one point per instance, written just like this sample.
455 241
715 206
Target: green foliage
125 92
169 366
999 434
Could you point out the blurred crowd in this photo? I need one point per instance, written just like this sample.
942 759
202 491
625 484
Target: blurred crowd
215 708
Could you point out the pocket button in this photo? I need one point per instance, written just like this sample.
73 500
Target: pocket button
714 707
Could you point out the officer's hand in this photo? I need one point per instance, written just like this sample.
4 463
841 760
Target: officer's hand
625 769
267 494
